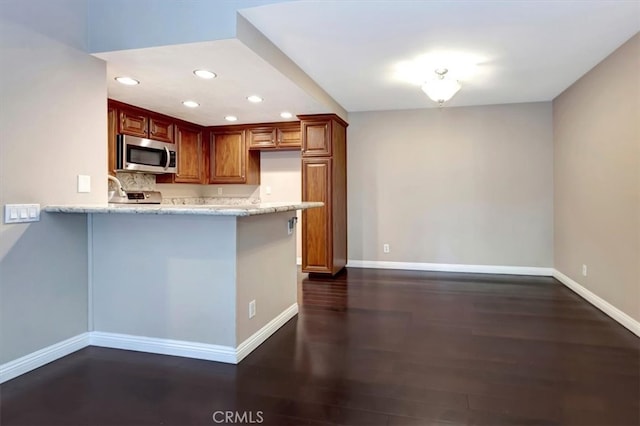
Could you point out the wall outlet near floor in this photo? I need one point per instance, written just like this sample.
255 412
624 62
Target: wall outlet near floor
584 270
385 248
219 190
252 309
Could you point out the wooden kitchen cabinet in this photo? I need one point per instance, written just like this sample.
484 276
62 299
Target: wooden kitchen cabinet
112 131
161 129
138 122
275 136
190 154
230 159
133 122
324 178
261 137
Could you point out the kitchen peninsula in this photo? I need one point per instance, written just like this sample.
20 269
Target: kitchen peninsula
204 281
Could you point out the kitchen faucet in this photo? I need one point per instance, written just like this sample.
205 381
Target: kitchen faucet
121 192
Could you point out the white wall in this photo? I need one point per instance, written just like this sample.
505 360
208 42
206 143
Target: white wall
52 128
597 179
281 171
470 185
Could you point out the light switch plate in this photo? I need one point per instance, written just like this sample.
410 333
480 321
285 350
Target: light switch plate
84 183
21 213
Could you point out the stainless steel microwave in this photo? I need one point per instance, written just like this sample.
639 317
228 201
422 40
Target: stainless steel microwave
134 154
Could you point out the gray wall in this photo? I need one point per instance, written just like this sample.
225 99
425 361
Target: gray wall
597 179
52 128
263 243
172 278
471 185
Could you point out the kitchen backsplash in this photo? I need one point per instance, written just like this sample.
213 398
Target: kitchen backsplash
137 181
181 194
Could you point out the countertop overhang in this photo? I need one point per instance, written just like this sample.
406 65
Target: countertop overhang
198 210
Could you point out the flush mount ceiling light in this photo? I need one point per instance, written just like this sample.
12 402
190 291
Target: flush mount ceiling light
128 81
440 89
190 104
231 118
286 114
255 99
205 74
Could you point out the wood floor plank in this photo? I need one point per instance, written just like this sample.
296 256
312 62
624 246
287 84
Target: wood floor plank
371 347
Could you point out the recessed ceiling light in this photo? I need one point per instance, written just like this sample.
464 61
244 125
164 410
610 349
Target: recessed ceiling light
190 104
231 118
254 98
286 114
207 75
127 80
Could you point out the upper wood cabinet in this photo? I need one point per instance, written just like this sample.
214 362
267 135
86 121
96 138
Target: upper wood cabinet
112 131
140 123
316 139
261 137
161 129
190 153
280 136
230 159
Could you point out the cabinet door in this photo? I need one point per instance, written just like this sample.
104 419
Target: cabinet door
189 152
112 130
161 129
289 137
133 123
316 140
228 157
316 223
261 137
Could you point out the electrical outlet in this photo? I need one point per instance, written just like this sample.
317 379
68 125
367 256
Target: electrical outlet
252 309
584 270
267 190
385 248
219 190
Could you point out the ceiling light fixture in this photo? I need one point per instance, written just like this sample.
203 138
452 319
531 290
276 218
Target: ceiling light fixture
205 74
231 118
128 81
255 99
440 89
190 104
286 114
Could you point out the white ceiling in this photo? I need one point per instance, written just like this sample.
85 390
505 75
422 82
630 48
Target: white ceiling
525 51
528 50
166 79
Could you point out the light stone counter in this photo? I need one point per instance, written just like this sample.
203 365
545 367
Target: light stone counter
169 209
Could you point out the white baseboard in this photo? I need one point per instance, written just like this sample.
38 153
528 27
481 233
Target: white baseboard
153 345
206 351
43 356
606 307
164 346
452 267
257 338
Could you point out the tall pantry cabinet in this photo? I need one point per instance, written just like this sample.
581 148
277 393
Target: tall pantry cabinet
324 178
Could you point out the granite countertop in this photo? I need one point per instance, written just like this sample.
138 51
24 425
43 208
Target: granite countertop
203 210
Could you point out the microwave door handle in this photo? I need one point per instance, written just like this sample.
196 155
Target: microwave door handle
166 166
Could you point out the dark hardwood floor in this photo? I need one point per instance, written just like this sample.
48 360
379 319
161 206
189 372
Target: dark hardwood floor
370 347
